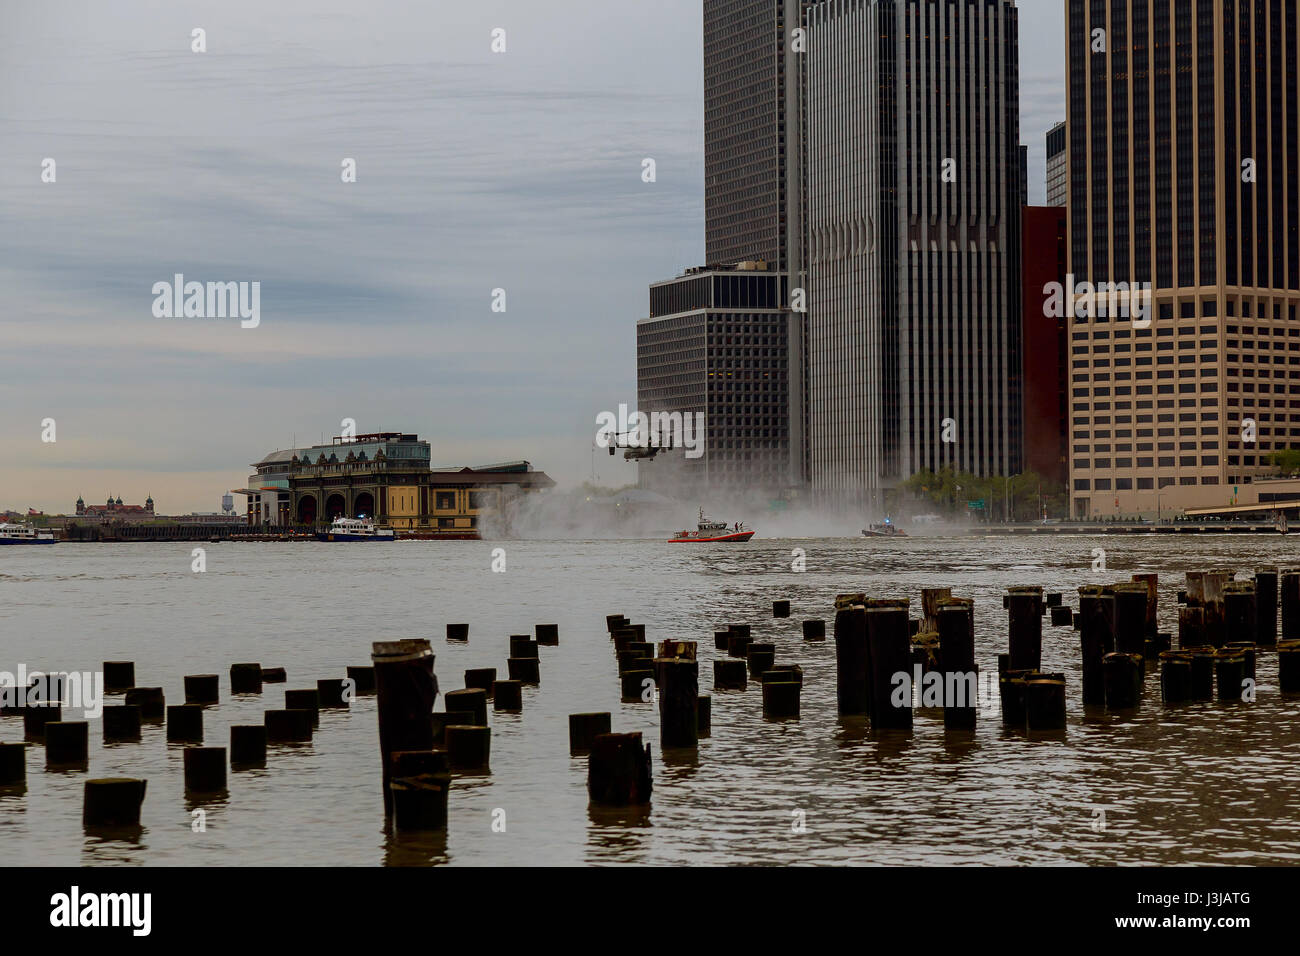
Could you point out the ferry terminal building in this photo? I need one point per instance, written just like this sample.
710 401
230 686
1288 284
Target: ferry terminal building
386 477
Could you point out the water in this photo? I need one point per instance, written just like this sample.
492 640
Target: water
1204 783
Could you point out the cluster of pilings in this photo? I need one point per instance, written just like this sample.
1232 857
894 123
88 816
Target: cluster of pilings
420 749
117 802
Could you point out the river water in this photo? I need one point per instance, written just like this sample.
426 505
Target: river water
1199 784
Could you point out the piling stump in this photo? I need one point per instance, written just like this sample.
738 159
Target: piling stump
473 700
35 719
704 711
67 743
288 726
201 689
618 771
481 678
245 678
1025 627
851 661
720 640
469 747
1062 616
119 676
458 632
1045 704
814 630
441 721
679 698
13 764
526 670
1229 675
1096 639
1240 612
889 653
760 657
1123 674
781 699
150 700
1202 673
1175 677
548 635
636 683
185 723
508 695
729 674
955 620
333 693
112 801
205 769
521 645
1289 598
1288 666
363 679
248 745
738 645
121 723
780 608
306 699
584 728
274 675
420 802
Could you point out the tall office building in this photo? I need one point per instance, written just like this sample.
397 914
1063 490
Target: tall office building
913 196
1183 160
1058 179
753 206
715 343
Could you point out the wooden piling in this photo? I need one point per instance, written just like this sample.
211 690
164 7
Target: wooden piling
112 802
852 675
363 679
781 699
704 712
526 670
67 744
151 701
615 621
624 636
420 801
1130 617
1229 675
1096 639
548 635
13 764
481 678
634 684
1152 583
245 678
307 699
618 771
729 674
508 696
744 630
458 632
931 599
119 676
1202 673
522 645
1214 584
814 630
1062 616
889 654
332 693
205 769
1025 627
1045 703
1288 666
738 645
121 723
35 719
471 699
1175 677
780 608
584 728
1240 612
274 675
1266 607
1012 693
185 723
439 723
759 657
469 748
1289 596
679 697
201 689
955 621
1123 676
288 726
247 746
720 639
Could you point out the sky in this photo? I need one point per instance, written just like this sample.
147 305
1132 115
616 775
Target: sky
475 171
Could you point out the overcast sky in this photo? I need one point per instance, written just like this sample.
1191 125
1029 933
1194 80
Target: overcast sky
475 171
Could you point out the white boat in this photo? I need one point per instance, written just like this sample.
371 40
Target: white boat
356 529
24 534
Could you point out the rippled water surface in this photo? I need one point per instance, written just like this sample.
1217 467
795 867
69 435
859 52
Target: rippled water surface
1204 783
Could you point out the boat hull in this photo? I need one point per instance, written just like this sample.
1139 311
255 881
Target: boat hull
701 539
345 536
28 541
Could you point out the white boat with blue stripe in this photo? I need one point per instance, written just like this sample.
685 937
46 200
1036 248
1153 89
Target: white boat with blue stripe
24 534
356 529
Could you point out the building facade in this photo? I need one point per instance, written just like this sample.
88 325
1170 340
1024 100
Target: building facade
716 343
1182 170
385 477
913 219
1058 167
115 510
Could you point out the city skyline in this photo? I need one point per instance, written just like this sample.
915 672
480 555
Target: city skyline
224 166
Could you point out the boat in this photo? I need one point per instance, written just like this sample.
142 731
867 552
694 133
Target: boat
356 529
24 534
710 530
886 530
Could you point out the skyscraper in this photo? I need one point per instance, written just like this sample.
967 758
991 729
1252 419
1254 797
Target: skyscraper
1058 181
1183 161
913 195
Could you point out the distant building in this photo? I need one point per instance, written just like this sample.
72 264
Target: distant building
384 476
115 510
716 343
1058 168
